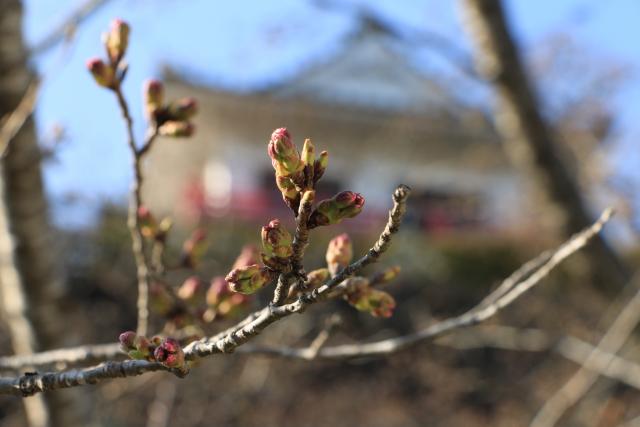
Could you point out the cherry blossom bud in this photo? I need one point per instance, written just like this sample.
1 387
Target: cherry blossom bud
320 166
182 109
250 279
126 340
117 40
346 204
377 303
153 93
339 253
177 129
170 354
276 244
102 73
308 153
290 194
284 155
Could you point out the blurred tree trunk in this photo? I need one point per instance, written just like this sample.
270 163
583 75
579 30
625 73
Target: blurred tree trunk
24 208
528 139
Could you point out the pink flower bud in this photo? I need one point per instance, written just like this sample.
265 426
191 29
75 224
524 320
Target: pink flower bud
153 94
284 155
127 340
117 40
377 303
169 353
339 253
102 73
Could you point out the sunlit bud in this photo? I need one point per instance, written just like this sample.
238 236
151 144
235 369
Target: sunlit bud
377 303
103 74
169 353
339 253
320 166
177 129
126 340
308 197
192 290
194 247
147 223
117 40
153 93
346 204
284 155
182 109
250 279
386 276
289 193
276 242
317 277
248 255
308 153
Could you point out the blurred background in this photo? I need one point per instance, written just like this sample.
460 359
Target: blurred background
397 91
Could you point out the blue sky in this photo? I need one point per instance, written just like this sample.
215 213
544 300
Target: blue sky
247 44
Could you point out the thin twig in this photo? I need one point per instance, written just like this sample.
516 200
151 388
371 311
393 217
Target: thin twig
582 381
142 263
11 124
299 244
255 323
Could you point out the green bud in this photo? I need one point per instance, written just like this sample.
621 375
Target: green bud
320 166
102 73
276 244
250 279
284 155
308 153
346 204
377 303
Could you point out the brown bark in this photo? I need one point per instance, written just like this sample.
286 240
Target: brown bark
528 139
24 210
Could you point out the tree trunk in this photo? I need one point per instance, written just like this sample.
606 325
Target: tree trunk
26 226
528 139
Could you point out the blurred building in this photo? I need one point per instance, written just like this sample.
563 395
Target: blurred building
382 121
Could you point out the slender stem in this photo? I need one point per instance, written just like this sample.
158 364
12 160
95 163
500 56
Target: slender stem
135 202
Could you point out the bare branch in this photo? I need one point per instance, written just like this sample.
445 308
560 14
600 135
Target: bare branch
11 124
142 263
254 324
580 383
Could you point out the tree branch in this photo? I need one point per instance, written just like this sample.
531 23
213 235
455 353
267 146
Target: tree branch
255 323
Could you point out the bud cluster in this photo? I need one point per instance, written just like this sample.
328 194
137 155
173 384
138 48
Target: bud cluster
295 172
163 350
173 118
276 245
170 118
110 73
